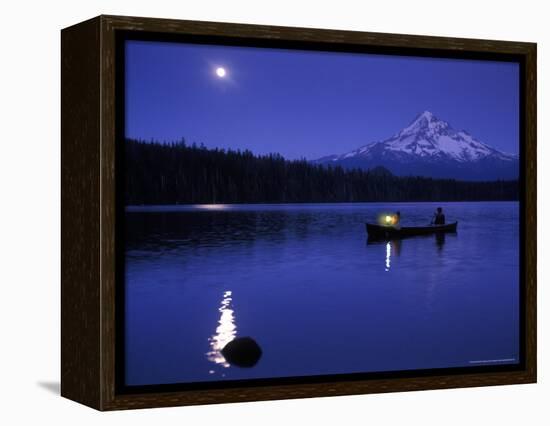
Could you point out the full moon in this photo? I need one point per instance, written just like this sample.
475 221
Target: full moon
220 72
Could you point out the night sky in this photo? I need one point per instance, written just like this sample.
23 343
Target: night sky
309 104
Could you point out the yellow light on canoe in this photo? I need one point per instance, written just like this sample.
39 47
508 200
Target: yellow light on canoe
388 219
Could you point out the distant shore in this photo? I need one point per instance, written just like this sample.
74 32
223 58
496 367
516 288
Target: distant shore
165 174
236 206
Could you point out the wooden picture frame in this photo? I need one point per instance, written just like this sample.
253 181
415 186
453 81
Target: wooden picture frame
89 165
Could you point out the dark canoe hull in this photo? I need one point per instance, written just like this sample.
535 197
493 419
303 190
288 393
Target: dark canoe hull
378 231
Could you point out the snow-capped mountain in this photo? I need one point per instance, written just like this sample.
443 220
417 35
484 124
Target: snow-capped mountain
431 147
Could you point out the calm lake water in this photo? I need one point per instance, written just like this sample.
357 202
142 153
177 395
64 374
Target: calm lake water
305 283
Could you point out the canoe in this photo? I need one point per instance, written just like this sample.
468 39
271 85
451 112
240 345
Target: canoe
380 231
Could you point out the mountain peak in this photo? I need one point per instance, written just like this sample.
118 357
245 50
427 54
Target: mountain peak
425 122
427 115
431 146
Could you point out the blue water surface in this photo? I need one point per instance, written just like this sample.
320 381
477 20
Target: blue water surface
317 296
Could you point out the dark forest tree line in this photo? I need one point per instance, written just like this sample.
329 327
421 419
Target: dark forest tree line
176 173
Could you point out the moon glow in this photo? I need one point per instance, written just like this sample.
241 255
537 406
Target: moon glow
220 72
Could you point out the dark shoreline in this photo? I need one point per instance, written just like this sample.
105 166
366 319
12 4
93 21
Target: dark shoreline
180 174
212 206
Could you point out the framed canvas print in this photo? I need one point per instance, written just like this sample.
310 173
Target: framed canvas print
254 212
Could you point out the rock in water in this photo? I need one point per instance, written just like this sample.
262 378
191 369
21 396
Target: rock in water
242 352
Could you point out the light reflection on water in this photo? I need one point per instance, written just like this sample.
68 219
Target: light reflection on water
388 256
321 299
212 206
225 331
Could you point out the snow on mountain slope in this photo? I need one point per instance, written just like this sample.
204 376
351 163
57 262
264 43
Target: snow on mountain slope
431 147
